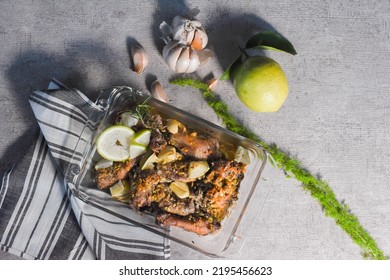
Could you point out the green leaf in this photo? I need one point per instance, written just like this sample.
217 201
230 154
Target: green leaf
228 72
271 41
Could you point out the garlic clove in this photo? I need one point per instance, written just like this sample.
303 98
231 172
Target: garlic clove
174 126
189 37
173 56
158 91
200 40
212 83
194 62
140 59
183 61
167 49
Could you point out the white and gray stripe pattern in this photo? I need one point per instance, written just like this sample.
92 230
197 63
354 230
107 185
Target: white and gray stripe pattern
40 218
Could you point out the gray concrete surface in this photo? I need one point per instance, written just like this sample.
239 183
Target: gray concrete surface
336 119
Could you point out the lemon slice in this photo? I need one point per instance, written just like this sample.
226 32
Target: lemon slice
181 189
114 142
142 137
136 150
242 155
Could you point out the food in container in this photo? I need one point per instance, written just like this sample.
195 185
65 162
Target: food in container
183 177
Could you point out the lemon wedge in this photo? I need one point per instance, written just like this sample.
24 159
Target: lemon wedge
142 137
114 142
136 150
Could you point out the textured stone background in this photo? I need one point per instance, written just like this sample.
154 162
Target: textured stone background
336 119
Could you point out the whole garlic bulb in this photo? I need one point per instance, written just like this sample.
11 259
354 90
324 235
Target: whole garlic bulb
180 58
189 32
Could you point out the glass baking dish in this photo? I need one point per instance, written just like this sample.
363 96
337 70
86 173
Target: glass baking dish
81 173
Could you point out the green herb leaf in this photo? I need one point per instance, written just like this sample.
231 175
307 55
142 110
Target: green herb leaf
316 187
227 75
271 41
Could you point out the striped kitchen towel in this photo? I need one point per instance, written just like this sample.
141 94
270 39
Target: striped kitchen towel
40 218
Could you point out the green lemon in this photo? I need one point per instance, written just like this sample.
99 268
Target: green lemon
261 84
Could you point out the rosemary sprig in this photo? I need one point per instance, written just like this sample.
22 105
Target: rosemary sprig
318 188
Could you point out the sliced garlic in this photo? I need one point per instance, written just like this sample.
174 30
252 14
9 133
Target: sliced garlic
158 92
197 169
140 58
175 126
179 188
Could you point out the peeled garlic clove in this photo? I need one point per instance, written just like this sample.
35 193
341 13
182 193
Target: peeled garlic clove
197 169
128 119
104 163
121 191
158 91
168 154
179 188
194 62
174 126
200 39
140 59
183 61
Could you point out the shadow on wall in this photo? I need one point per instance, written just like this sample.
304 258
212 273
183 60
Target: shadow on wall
166 10
228 32
87 66
226 29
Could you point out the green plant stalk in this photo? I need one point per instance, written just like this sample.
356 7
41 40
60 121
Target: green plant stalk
318 188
